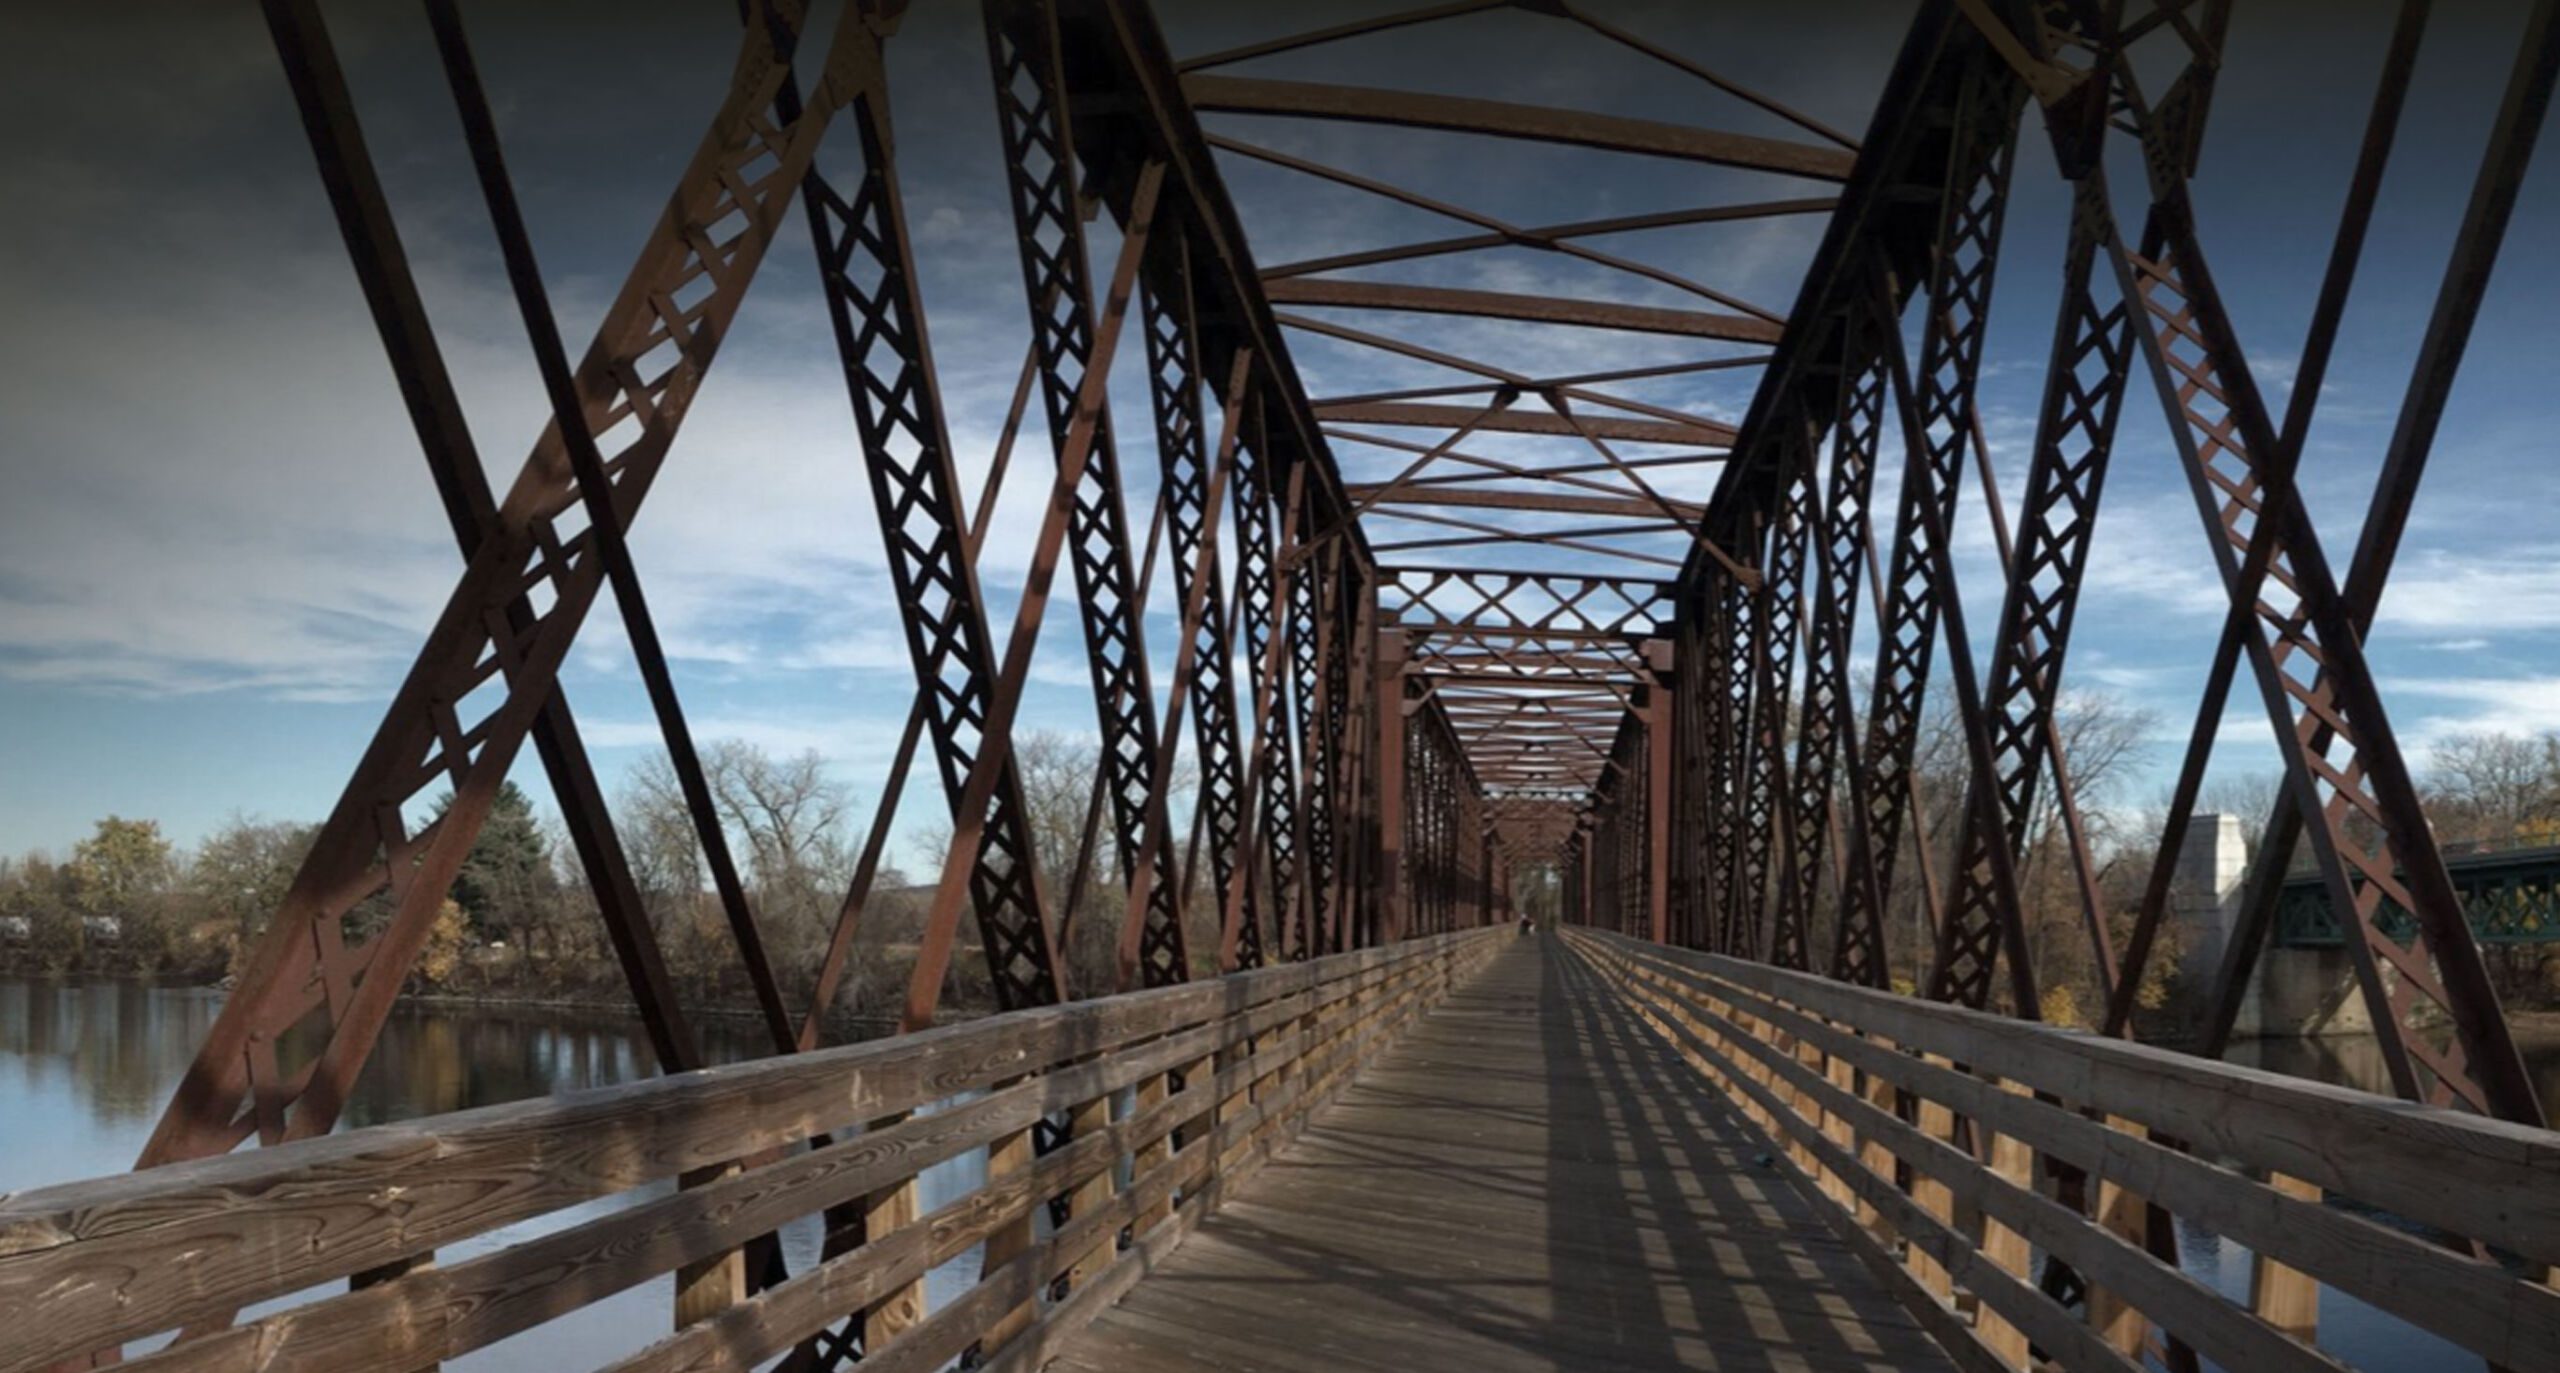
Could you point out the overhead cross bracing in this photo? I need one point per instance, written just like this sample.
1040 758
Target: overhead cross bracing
1532 465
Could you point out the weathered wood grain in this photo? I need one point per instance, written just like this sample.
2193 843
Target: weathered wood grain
2487 1179
2478 1304
122 1257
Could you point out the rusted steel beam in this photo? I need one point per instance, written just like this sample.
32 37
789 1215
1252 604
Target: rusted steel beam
1136 114
1767 813
596 494
2085 379
2372 841
391 295
1336 32
2509 150
1827 728
1584 228
2001 860
1195 482
1036 113
1587 314
1567 247
1311 100
1973 204
1551 605
867 273
1515 421
443 727
1634 507
1533 383
1263 593
1142 943
1901 170
924 987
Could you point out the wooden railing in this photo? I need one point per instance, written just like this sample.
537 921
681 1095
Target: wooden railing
1924 1125
1171 1097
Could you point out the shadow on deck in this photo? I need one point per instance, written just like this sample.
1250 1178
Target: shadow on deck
1530 1180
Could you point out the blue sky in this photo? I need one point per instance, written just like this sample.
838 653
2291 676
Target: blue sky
219 548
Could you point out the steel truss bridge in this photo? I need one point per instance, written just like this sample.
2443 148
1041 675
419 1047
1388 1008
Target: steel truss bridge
2511 896
1330 1111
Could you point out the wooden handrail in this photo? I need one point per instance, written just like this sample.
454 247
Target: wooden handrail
115 1259
1862 1090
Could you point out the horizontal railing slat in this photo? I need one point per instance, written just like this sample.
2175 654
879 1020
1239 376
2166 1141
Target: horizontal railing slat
2473 1302
2226 1333
2490 1180
116 1258
1794 1047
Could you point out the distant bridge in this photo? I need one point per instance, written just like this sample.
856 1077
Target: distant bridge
2509 896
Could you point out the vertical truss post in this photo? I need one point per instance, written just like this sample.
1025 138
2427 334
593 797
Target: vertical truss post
1174 384
1262 579
1312 646
1737 702
1397 887
866 270
1827 726
1957 305
1689 904
1040 172
1659 707
1980 757
1719 815
2075 433
1777 616
1142 941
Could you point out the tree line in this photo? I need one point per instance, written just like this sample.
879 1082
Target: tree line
521 920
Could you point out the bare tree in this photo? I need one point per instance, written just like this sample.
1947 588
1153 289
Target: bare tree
2492 786
783 819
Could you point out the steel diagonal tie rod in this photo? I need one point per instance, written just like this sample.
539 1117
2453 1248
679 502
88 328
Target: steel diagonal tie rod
391 292
596 491
2527 100
307 961
2481 1068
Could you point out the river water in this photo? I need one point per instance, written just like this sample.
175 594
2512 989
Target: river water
86 1067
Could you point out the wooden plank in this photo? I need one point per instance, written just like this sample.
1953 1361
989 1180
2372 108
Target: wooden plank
2215 1327
411 1320
1521 1182
2486 1179
2477 1304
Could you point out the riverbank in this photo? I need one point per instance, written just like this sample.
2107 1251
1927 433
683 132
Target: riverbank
597 999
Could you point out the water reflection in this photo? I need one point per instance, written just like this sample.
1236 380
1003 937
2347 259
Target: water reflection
86 1066
2356 1061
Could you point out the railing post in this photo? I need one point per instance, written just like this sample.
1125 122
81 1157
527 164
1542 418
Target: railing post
2124 1214
2012 1162
707 1287
2286 1298
1938 1123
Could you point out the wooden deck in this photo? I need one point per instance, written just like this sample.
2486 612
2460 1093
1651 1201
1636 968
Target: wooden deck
1530 1180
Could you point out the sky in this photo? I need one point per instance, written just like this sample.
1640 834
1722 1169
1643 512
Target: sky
219 548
